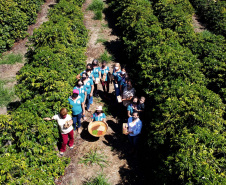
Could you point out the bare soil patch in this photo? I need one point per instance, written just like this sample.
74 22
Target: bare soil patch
198 26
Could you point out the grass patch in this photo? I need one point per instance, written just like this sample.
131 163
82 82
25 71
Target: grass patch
97 6
6 95
94 158
106 57
105 25
99 180
11 59
101 40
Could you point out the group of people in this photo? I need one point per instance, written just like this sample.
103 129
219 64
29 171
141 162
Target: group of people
82 98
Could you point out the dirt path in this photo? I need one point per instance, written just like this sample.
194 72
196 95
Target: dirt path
198 26
113 145
8 72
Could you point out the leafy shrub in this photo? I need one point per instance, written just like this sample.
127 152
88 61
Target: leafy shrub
184 116
209 48
213 13
15 16
27 151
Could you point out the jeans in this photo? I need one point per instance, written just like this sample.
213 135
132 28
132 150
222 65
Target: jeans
105 83
95 92
89 99
77 119
117 89
65 140
134 140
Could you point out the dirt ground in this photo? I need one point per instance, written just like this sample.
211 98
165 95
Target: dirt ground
8 71
113 145
198 26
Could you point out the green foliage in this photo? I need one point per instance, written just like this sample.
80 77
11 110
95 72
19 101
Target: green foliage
101 40
15 16
97 6
11 59
94 158
99 180
184 126
209 48
105 57
213 13
27 142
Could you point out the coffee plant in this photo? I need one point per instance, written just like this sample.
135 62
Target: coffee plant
57 54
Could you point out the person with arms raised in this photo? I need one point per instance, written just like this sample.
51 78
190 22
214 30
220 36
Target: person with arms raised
65 122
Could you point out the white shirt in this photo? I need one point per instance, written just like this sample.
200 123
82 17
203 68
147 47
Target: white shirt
61 123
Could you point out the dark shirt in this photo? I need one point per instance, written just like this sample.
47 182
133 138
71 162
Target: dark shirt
140 106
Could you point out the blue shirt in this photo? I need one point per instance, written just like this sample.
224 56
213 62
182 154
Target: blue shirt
135 128
77 104
96 71
98 118
123 83
81 91
90 75
131 108
117 75
105 70
88 85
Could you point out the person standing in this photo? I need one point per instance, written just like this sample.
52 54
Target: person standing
105 77
88 85
116 74
99 115
89 71
65 122
132 107
78 109
128 93
96 76
134 130
80 87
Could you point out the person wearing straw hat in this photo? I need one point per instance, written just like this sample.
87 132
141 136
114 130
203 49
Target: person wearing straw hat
65 122
99 115
78 109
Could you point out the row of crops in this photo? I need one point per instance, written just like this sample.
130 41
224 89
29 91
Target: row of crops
213 12
183 76
27 143
15 16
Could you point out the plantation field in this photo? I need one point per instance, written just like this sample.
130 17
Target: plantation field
180 71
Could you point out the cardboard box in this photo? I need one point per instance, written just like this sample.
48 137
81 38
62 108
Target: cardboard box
124 128
97 81
119 98
104 77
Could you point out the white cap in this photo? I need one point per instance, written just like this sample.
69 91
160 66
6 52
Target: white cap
99 108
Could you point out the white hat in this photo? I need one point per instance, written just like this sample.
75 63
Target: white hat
99 108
